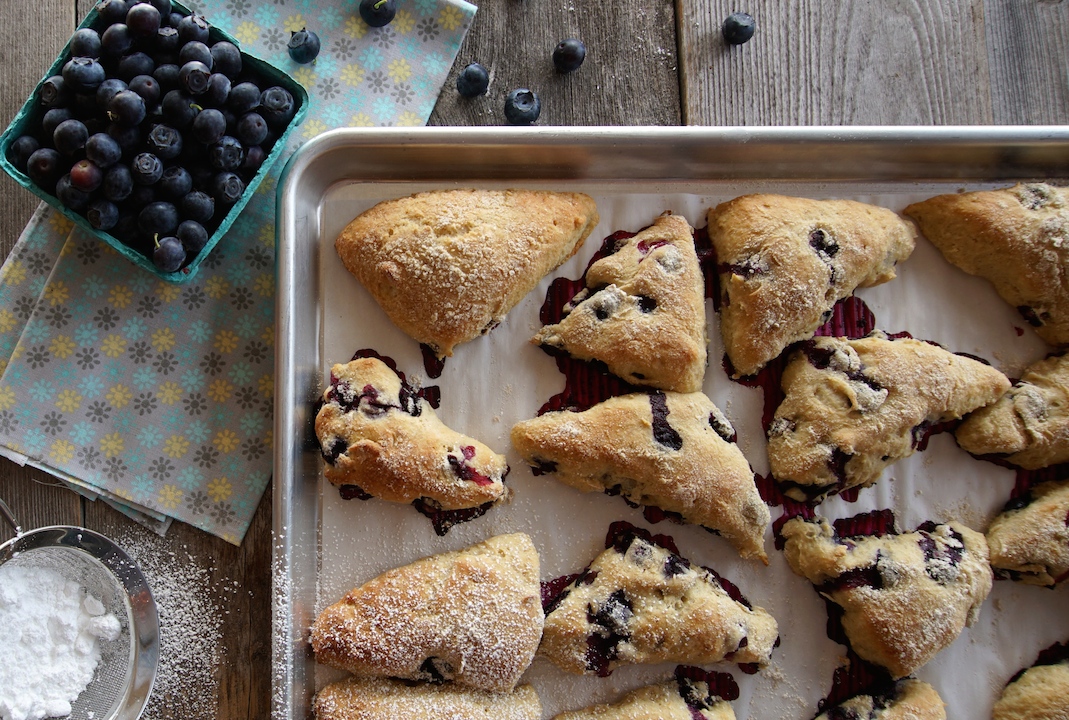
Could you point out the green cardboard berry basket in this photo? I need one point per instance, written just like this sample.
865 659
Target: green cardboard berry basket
31 113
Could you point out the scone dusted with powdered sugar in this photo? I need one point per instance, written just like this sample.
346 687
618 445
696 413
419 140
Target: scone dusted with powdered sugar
1029 539
1040 692
472 616
388 699
671 451
906 699
689 696
381 437
1018 238
904 597
642 312
447 266
641 602
853 407
783 262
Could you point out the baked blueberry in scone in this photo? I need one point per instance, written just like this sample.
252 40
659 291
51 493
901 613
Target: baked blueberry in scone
472 616
1040 692
447 266
642 312
671 451
387 699
904 597
906 699
1018 238
1029 425
640 602
784 262
1029 539
853 407
687 697
379 435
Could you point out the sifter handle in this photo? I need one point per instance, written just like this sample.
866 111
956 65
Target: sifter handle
9 516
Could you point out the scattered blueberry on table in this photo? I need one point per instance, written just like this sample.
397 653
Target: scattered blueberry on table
522 107
378 13
473 81
569 55
303 46
738 28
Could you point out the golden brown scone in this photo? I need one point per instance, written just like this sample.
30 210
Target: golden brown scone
447 266
1030 423
669 450
387 699
679 699
908 699
473 616
642 312
1018 238
1039 693
904 597
853 407
378 434
785 261
1029 540
638 602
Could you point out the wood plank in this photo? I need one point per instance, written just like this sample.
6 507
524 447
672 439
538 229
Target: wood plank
36 500
629 77
835 62
1027 44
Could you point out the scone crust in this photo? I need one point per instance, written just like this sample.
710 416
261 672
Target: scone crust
658 608
1031 544
912 700
652 702
387 699
785 261
1030 423
924 599
447 266
852 408
395 446
1018 238
1041 693
612 446
643 312
473 615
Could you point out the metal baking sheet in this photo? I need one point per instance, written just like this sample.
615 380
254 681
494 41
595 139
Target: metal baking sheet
323 546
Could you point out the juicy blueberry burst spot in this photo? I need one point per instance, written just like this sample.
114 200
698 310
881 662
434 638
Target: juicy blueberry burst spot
857 578
522 107
663 432
436 670
1030 316
823 243
675 565
722 427
353 492
646 304
610 620
738 28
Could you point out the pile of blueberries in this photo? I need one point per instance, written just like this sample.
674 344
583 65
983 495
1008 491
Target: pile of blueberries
152 130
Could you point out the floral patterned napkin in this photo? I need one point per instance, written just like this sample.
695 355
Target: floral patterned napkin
158 397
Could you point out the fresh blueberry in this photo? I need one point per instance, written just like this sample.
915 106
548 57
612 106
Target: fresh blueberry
227 188
738 28
147 87
167 76
251 129
193 77
147 169
86 175
102 214
21 149
165 142
70 136
103 150
127 108
134 64
141 196
69 195
569 55
277 106
128 137
53 118
195 51
116 40
164 6
244 97
83 74
193 236
198 206
208 126
522 107
227 58
168 254
378 13
473 81
167 41
107 90
175 183
193 28
118 183
112 11
179 108
303 46
218 89
158 218
254 158
143 20
54 92
85 43
227 154
45 166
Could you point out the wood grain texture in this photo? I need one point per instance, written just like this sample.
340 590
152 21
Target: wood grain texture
837 62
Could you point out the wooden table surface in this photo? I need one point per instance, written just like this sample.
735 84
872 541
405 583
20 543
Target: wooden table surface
649 62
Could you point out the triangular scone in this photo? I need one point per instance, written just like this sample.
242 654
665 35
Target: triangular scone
378 434
904 597
473 616
447 266
671 451
638 602
784 262
1040 692
387 699
906 699
1029 539
642 312
679 699
1030 423
853 407
1018 238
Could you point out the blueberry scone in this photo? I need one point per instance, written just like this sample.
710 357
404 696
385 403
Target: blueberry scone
904 597
1018 238
671 451
1040 692
639 602
447 266
853 407
378 434
472 616
642 312
906 699
1030 423
784 262
683 698
387 699
1029 539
